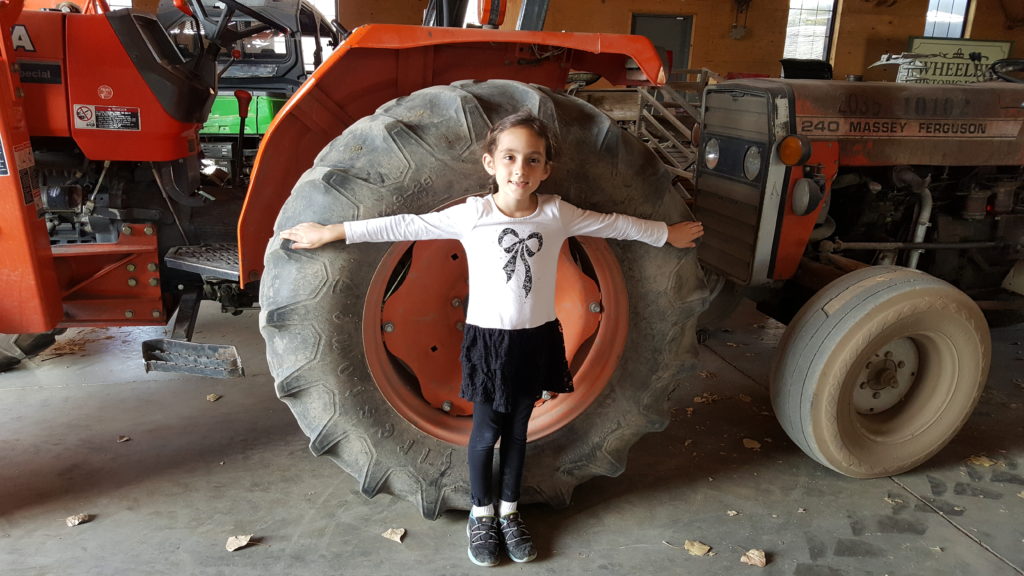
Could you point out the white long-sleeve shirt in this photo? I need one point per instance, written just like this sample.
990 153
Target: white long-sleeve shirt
512 261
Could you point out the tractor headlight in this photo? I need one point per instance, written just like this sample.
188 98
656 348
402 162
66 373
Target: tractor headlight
752 162
712 151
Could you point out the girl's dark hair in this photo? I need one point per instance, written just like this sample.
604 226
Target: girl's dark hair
522 118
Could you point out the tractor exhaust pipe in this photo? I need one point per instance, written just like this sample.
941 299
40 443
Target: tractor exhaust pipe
904 176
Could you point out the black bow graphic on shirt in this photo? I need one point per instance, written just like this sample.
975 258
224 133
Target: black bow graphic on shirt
520 248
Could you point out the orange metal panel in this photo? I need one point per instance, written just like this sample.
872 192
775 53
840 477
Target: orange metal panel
39 52
31 302
112 284
104 83
795 230
378 63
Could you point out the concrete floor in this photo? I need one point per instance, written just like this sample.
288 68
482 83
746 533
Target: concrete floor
196 472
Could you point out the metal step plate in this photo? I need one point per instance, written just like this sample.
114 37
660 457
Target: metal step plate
217 260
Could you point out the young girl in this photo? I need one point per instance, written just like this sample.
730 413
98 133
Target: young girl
512 346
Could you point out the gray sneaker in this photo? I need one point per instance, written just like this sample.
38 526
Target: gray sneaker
518 542
484 540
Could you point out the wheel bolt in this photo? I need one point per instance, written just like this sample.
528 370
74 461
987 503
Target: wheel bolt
447 406
129 313
130 267
456 302
132 281
389 327
595 307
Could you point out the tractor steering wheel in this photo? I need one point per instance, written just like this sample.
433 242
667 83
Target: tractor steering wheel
216 29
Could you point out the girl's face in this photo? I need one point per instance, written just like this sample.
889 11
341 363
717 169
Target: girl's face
519 164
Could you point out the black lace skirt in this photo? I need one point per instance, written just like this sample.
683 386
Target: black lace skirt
499 365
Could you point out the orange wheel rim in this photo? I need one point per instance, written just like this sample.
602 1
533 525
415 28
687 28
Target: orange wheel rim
401 326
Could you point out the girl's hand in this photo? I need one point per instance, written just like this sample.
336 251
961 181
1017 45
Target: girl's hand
683 234
312 235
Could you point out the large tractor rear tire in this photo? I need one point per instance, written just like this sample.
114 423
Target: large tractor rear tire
16 347
321 309
879 370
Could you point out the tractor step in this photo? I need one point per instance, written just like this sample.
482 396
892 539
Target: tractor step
179 354
214 360
217 260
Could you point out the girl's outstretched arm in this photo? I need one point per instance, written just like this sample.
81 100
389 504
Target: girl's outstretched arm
312 235
683 234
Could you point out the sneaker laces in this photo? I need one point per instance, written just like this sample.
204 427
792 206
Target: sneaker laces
483 532
514 529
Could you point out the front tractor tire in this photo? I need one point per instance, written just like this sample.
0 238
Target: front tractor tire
339 353
879 370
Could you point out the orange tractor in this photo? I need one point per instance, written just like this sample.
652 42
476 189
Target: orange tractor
106 222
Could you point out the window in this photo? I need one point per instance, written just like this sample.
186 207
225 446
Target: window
809 30
945 18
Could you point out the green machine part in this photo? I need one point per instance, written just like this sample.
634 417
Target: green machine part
223 119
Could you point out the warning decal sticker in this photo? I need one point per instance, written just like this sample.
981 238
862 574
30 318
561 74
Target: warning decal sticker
25 163
3 160
92 117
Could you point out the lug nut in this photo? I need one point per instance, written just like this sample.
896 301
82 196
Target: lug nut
130 267
156 313
389 327
126 229
456 302
132 281
151 267
129 313
447 406
595 307
154 281
148 230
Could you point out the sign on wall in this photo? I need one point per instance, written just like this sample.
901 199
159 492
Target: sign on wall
951 60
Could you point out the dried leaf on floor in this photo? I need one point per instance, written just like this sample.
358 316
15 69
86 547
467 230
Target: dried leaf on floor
123 438
752 444
77 519
732 345
744 398
755 557
983 461
689 412
801 510
696 547
705 398
236 542
395 534
1020 494
892 500
936 548
707 374
213 397
731 513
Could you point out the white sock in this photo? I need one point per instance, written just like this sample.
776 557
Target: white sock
479 511
508 507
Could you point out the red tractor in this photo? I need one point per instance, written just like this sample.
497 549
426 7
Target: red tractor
106 223
882 222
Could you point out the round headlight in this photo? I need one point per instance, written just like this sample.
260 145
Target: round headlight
711 153
752 162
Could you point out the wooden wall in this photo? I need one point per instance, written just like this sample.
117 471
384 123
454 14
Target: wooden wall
866 29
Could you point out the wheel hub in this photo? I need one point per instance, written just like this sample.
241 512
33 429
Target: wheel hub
886 377
415 313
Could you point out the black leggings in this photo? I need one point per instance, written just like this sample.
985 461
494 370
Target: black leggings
488 427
